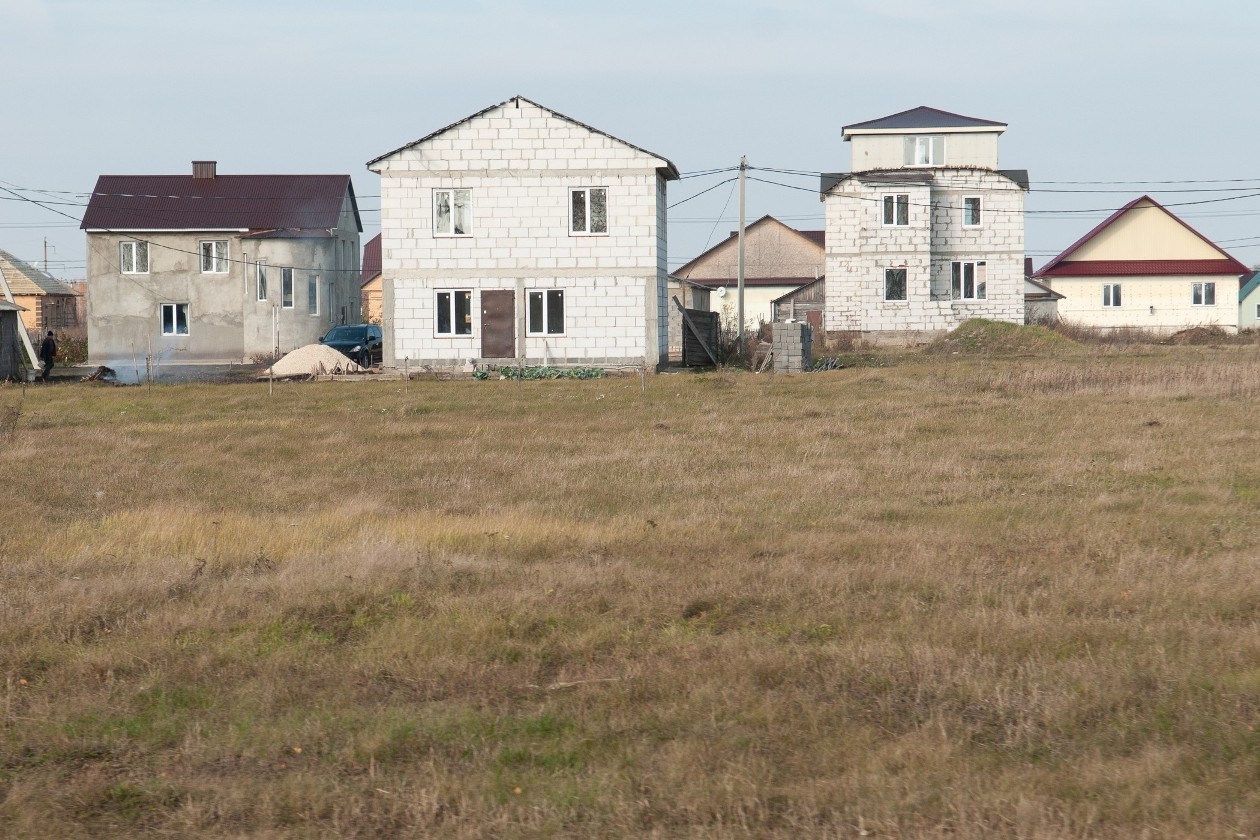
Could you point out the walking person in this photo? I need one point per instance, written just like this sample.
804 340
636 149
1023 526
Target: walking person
48 352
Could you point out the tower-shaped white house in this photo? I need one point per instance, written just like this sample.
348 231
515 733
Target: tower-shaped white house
926 231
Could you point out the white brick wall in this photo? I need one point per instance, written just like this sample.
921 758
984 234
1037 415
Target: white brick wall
859 248
519 164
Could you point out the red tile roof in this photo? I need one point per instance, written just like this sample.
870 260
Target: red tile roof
1143 268
371 260
1061 266
225 202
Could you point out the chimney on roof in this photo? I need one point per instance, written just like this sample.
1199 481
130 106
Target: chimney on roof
204 168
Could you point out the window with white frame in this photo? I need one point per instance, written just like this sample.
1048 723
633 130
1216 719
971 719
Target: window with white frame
260 274
896 210
894 284
971 211
1203 294
452 212
133 256
174 319
925 150
214 256
286 288
454 312
969 280
588 211
1258 311
312 294
546 312
1111 295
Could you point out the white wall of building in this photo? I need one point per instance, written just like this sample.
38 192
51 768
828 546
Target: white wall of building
1159 304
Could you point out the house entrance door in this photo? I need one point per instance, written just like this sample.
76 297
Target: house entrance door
498 324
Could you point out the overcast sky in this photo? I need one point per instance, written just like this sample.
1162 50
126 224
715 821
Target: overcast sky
1093 91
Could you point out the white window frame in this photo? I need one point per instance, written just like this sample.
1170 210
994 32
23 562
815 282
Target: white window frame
136 247
979 280
905 284
260 280
890 204
586 221
312 295
452 194
933 144
547 296
218 262
174 309
451 310
1199 293
966 210
1112 297
1258 311
286 288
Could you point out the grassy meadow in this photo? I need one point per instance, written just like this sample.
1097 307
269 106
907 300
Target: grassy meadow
940 595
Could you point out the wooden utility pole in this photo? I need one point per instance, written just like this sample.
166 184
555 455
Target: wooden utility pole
743 166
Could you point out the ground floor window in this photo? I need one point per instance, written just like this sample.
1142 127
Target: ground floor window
174 319
969 280
546 312
262 280
454 312
1111 294
286 288
312 295
1204 294
894 284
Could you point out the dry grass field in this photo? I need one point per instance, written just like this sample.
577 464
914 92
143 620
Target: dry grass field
955 595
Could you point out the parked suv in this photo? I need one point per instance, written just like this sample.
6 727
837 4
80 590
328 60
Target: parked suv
361 342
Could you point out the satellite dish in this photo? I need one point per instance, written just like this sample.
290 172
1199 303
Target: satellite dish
721 292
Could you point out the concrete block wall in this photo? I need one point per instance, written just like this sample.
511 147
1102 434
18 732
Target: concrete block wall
792 344
519 161
860 247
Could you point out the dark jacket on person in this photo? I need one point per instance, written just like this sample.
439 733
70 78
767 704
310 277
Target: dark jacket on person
48 350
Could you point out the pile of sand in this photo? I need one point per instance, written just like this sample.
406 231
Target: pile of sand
312 360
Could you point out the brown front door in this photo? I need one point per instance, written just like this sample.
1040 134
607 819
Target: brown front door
498 324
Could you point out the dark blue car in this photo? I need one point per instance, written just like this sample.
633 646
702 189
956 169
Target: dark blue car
361 342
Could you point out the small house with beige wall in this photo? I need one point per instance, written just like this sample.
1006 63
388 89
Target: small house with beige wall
46 302
1144 268
777 259
370 281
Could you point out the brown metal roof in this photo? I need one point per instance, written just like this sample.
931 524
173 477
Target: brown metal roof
371 260
225 202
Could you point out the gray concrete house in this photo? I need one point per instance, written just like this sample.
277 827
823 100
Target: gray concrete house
218 268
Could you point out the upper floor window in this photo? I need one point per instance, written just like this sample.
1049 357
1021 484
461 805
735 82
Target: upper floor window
894 284
133 256
1111 295
588 211
897 210
969 281
452 212
546 312
214 256
971 211
925 151
261 275
1203 294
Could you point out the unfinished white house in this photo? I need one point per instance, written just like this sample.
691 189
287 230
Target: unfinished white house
520 234
925 232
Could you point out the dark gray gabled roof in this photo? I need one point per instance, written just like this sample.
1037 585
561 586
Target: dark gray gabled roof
670 171
922 117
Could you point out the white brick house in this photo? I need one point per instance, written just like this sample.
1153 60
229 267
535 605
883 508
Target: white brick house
927 232
522 234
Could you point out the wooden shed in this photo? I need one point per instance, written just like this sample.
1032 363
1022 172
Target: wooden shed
11 355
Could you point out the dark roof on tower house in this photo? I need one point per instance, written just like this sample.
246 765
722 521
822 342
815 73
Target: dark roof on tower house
922 117
222 202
